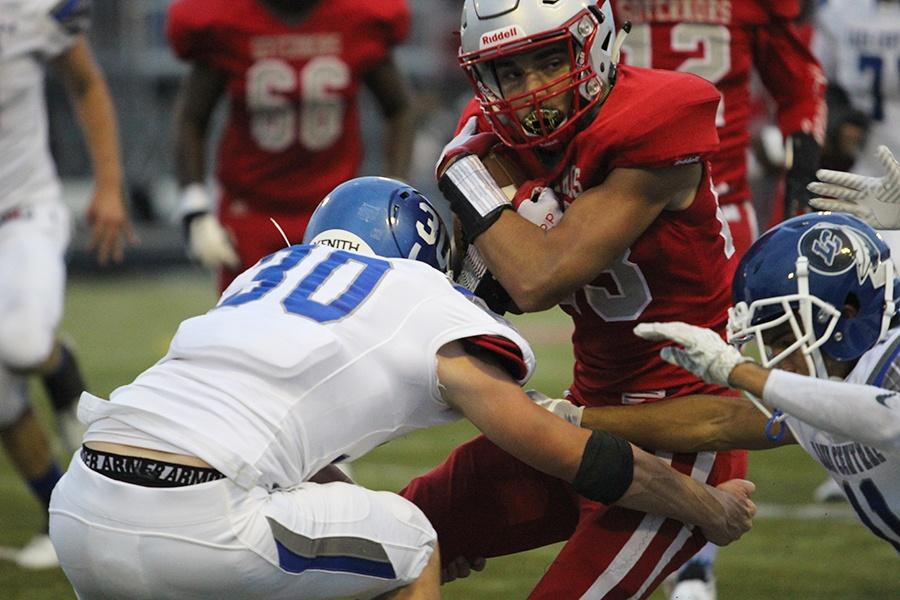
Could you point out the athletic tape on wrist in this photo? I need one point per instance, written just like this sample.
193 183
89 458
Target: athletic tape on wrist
474 181
607 468
473 194
194 199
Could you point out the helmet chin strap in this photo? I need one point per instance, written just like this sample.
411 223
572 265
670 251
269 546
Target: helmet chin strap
615 53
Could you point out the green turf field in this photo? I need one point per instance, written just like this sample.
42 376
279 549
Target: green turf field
123 325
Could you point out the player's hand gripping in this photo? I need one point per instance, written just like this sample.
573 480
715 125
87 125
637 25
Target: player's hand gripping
538 204
700 351
474 196
558 406
468 141
736 515
460 568
208 242
875 200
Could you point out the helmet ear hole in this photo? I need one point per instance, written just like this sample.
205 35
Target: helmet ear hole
851 301
606 41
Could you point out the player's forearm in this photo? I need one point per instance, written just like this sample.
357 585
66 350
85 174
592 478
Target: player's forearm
538 268
190 154
863 413
200 92
686 424
96 115
659 489
398 144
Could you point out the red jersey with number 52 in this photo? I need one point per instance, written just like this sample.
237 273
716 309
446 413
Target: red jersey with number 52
679 269
293 128
723 41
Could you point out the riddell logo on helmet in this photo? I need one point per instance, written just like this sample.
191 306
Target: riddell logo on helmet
498 36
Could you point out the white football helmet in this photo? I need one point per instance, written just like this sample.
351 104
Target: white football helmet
492 29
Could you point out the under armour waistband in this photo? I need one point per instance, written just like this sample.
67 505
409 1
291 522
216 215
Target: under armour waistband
147 472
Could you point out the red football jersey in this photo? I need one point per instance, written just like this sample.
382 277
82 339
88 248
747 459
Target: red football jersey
679 269
293 127
723 41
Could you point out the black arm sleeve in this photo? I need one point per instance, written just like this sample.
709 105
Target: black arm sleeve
607 468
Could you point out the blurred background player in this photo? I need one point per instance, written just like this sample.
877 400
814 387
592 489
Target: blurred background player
292 72
723 42
623 149
312 356
858 46
35 229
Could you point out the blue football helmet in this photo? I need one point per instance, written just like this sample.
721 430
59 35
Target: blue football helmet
383 217
800 275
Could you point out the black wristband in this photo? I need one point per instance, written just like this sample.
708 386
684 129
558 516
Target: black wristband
486 196
607 468
493 293
186 221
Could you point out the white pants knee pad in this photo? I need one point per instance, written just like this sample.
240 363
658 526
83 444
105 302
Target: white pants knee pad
26 338
13 397
32 283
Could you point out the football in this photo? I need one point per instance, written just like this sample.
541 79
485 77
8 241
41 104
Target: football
505 171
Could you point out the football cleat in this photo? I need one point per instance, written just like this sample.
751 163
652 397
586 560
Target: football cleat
71 430
38 553
694 589
829 491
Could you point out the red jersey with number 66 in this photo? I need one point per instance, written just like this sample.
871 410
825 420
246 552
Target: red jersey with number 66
679 269
293 128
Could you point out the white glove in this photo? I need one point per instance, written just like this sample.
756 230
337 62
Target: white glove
543 208
558 406
703 352
209 243
875 200
457 145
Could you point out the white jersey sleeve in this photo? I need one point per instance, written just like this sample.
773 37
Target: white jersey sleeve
313 356
849 428
864 413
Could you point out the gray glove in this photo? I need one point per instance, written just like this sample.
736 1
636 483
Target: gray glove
875 200
558 406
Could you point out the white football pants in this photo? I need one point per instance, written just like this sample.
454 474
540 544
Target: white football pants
33 243
216 540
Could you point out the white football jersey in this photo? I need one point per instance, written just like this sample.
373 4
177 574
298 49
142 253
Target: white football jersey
31 33
312 356
870 477
858 43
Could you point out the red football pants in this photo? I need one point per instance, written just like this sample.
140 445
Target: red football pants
484 503
254 235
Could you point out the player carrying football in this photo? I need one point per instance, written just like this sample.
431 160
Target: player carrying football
642 239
